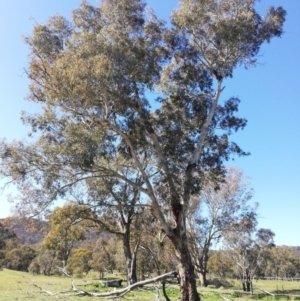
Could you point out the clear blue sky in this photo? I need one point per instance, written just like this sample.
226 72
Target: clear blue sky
269 93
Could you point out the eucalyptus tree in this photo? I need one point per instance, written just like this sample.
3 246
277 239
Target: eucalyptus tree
6 234
282 263
247 251
117 208
104 256
222 208
66 230
94 77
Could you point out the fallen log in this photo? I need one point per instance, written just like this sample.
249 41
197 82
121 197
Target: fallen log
266 292
109 295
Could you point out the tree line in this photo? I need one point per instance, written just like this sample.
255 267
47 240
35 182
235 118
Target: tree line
131 117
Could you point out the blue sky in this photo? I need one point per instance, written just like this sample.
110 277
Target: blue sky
269 93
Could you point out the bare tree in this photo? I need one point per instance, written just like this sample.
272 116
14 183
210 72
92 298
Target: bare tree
222 208
247 252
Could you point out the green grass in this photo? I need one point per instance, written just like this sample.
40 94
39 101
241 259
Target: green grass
18 286
278 286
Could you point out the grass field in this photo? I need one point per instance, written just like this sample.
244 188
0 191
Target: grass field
20 286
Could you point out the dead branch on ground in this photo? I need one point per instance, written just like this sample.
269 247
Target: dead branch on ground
109 295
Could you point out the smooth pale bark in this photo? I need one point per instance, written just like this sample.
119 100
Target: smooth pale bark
202 278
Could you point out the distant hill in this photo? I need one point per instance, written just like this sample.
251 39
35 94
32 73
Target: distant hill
33 232
30 233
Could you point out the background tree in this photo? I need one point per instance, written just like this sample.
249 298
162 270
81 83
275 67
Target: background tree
8 241
19 259
79 262
93 78
156 255
282 263
247 252
222 208
220 265
28 231
6 235
117 210
66 230
2 259
45 262
104 256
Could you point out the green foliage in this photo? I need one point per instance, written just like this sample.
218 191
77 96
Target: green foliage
282 262
66 229
78 263
20 258
220 265
104 256
236 294
2 259
6 235
95 77
45 262
34 267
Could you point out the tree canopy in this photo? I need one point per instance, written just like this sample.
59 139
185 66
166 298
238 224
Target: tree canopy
124 97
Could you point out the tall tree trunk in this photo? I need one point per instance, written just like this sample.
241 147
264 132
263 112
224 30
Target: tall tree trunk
202 278
186 275
203 265
133 274
130 262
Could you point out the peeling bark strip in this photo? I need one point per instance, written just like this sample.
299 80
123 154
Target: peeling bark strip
110 295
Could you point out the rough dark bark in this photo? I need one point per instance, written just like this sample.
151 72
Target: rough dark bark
130 260
186 273
248 284
202 266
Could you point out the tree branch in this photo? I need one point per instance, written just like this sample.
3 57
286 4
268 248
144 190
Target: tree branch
109 295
